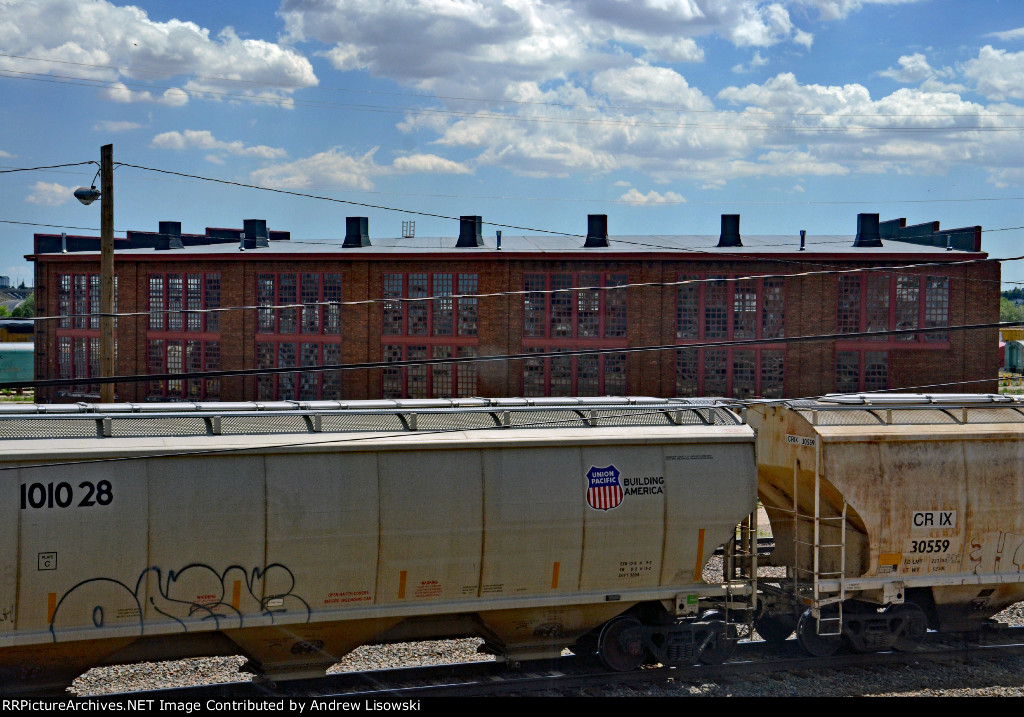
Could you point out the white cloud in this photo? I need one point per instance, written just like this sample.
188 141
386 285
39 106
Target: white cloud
838 9
114 126
428 163
49 194
1005 35
332 169
646 85
756 61
100 36
5 154
997 74
119 92
479 46
912 68
204 139
635 198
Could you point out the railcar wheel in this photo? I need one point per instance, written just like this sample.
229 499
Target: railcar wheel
914 628
723 642
775 627
811 641
617 650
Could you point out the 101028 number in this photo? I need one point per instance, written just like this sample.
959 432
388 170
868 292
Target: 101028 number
61 495
929 546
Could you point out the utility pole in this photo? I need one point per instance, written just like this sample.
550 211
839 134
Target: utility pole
107 271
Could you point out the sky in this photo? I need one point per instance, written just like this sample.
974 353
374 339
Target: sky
662 114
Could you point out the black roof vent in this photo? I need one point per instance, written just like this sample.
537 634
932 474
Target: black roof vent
597 231
169 236
470 232
867 231
255 234
357 232
730 231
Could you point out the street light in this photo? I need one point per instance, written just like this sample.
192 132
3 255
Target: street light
87 195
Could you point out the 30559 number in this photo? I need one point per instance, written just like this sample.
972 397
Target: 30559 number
929 546
61 495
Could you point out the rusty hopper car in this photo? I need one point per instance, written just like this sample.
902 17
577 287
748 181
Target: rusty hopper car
892 513
293 533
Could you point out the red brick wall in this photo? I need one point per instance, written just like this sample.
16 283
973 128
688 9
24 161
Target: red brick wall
810 310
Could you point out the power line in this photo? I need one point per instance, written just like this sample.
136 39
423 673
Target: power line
732 343
50 166
527 292
500 101
289 101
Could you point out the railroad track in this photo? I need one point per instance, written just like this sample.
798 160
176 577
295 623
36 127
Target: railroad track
570 675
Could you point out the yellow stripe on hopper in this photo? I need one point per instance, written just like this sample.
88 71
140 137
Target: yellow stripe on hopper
236 594
401 584
554 575
699 568
51 606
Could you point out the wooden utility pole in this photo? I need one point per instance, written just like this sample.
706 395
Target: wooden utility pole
107 271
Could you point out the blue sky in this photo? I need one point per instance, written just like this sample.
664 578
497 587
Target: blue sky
663 114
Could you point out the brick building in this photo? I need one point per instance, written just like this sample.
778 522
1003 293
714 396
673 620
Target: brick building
348 302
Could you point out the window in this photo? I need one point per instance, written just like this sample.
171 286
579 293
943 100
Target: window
870 303
177 301
298 385
573 311
181 355
310 304
716 308
440 380
858 371
426 305
574 306
429 317
586 375
304 334
78 331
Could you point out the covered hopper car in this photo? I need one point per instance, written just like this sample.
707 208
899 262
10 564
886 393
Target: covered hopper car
294 533
892 514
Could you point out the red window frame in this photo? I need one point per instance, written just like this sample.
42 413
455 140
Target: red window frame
925 313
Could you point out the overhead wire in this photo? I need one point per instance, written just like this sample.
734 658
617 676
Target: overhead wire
557 353
502 101
388 434
477 115
544 292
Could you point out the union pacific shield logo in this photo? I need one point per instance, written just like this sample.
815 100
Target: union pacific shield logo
603 489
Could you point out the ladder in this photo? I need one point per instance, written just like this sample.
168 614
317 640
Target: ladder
829 621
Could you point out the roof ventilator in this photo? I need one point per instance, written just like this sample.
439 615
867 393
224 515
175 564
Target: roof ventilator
169 236
470 228
867 231
255 234
730 231
597 231
357 232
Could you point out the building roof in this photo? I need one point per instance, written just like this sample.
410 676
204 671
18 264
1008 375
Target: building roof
223 243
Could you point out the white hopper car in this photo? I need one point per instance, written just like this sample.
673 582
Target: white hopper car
293 533
892 513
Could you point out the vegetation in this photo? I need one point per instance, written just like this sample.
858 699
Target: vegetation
24 310
1009 311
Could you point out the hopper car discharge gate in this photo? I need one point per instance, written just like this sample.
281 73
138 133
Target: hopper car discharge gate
461 474
885 600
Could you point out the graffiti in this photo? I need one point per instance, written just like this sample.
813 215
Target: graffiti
195 592
999 552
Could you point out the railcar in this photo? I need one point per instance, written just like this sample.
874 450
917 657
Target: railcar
16 330
892 514
296 532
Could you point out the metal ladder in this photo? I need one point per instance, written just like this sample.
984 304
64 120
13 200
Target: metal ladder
831 622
